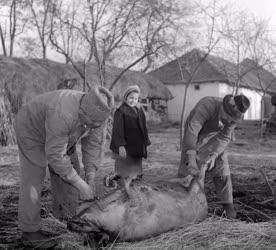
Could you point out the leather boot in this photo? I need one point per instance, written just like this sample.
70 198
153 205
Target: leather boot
37 240
224 191
230 211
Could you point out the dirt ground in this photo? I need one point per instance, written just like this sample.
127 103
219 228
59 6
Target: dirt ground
247 155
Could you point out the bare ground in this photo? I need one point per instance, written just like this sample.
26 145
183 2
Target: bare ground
247 155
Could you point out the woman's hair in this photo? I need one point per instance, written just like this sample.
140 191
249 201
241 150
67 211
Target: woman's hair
131 89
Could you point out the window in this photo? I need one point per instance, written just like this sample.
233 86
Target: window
197 87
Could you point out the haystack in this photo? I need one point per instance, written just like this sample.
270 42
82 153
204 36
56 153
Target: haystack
22 79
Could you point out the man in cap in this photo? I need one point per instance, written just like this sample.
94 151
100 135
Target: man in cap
47 129
209 116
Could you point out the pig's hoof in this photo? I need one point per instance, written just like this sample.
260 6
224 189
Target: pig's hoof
102 239
111 180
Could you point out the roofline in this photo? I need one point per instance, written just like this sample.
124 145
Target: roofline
197 81
217 81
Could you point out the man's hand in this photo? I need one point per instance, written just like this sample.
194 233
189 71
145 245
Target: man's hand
86 193
122 152
191 163
211 160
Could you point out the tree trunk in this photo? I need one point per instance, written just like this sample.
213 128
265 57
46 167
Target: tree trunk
262 118
182 121
43 51
3 41
11 45
12 26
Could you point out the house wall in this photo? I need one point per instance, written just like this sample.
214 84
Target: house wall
193 96
209 89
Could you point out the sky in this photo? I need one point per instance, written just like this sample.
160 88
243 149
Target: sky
261 8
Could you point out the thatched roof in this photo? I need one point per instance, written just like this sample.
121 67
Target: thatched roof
266 79
25 78
151 87
212 70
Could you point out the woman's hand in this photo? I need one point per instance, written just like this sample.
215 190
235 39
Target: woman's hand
122 152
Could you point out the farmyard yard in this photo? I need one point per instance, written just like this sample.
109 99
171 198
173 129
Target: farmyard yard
254 228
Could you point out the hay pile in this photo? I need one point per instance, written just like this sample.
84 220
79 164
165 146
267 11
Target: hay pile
213 233
22 79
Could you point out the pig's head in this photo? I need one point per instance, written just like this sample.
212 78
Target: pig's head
78 224
94 236
100 218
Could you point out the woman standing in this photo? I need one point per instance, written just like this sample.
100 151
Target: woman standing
129 135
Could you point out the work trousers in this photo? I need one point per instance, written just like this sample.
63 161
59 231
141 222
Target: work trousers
33 171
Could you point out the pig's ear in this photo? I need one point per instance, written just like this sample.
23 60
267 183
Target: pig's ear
83 207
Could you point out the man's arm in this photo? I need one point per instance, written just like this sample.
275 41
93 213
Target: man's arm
91 147
216 145
56 146
202 112
57 130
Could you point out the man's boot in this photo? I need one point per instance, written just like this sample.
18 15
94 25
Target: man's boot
224 191
230 211
37 240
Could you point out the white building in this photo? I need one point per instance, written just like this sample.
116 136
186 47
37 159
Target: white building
214 77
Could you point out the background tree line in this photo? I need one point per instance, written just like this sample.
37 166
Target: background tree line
134 34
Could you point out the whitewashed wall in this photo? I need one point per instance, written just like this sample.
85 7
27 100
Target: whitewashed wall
208 89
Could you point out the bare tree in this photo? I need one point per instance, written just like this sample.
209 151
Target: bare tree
14 25
42 18
210 13
115 25
64 37
261 51
30 46
247 36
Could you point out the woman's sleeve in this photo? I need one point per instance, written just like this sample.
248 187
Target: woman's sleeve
118 132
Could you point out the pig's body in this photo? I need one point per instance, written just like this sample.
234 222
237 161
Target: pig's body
141 211
138 211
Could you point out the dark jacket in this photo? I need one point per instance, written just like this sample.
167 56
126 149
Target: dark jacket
129 130
203 120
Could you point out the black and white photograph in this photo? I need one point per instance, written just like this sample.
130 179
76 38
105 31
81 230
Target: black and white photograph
138 124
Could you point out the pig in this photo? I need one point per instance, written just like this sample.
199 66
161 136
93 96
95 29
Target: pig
139 210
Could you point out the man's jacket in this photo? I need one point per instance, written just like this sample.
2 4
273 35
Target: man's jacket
202 121
51 120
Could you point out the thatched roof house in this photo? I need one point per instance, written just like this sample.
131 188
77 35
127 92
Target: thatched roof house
212 70
214 76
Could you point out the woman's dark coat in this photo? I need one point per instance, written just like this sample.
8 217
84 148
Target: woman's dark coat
129 130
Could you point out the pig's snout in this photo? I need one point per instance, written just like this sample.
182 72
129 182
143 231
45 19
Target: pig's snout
82 225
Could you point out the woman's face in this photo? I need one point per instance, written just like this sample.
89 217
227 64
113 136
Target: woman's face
132 99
